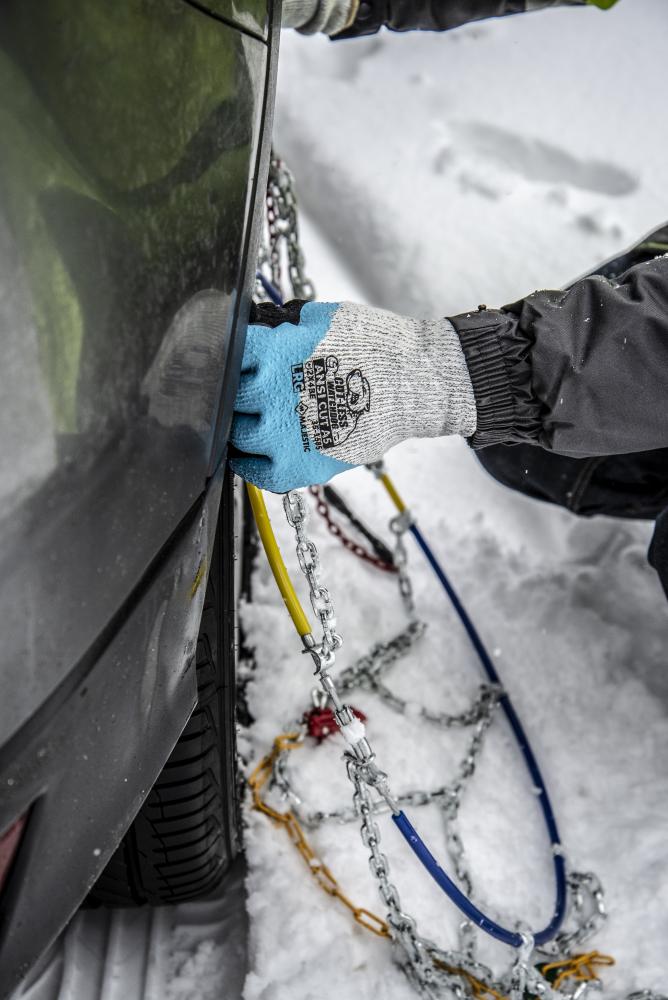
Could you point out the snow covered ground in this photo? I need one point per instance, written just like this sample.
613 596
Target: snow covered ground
435 173
193 951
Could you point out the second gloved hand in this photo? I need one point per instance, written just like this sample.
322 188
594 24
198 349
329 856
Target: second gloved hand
338 386
311 16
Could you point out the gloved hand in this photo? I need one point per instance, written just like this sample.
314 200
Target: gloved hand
340 384
311 16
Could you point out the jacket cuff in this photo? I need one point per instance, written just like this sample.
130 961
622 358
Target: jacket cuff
370 17
497 359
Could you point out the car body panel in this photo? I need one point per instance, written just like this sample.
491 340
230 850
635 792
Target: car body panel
130 138
84 770
136 142
251 16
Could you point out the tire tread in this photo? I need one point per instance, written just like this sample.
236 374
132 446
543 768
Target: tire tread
186 833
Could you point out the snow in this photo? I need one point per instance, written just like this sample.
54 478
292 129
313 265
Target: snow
436 173
182 952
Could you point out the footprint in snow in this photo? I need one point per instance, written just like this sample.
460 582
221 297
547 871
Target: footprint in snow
540 161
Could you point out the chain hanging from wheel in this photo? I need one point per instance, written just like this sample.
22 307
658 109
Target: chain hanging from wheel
434 972
281 261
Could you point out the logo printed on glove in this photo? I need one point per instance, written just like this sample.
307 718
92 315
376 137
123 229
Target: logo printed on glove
330 404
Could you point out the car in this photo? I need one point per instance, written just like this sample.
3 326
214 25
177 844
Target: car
136 140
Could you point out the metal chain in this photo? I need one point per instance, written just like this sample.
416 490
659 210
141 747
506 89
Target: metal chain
283 232
361 767
335 529
433 972
412 953
450 811
366 671
587 902
459 973
309 564
448 797
321 873
399 525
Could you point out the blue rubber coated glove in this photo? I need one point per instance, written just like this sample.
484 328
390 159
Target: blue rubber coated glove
278 454
341 386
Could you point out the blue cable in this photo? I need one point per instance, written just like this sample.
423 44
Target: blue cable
270 289
405 826
412 837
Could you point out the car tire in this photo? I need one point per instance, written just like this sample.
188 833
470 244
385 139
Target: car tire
186 834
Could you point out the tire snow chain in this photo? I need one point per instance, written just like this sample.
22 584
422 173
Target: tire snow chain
431 970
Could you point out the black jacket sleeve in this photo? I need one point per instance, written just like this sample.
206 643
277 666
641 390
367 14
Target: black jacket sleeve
436 15
582 372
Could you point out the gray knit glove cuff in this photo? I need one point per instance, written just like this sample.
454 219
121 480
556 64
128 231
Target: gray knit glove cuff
406 378
313 16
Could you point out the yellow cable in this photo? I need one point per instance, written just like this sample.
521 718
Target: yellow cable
281 575
392 490
270 545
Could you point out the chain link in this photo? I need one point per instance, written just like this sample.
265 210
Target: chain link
450 812
309 563
399 525
587 902
283 234
448 797
321 873
368 669
335 529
